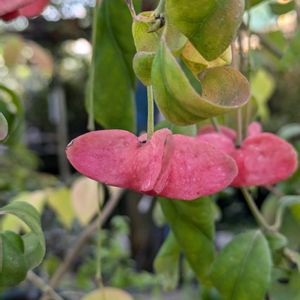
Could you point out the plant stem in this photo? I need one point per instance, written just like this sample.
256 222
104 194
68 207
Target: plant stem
42 285
91 121
98 275
255 211
150 125
82 240
239 137
131 8
160 8
215 124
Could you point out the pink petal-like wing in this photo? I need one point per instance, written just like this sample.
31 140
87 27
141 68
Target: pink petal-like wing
33 9
105 156
264 159
9 6
197 169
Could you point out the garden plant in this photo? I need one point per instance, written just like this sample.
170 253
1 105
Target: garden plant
194 58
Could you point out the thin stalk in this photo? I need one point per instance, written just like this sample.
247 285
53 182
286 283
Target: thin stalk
215 124
239 137
98 275
160 8
150 126
91 121
131 8
255 211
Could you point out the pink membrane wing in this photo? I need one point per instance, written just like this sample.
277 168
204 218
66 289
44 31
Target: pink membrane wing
264 159
9 6
197 169
105 156
34 9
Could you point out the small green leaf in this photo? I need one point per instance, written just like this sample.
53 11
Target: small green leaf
18 254
223 89
11 113
285 286
242 271
60 201
262 87
289 131
192 223
282 8
166 263
112 78
3 127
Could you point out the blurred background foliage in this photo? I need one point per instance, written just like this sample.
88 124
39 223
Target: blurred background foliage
44 65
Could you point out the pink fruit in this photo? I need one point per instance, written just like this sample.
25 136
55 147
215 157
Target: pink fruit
173 166
262 159
10 9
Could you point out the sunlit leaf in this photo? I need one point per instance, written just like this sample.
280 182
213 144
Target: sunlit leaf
60 201
262 87
87 195
108 293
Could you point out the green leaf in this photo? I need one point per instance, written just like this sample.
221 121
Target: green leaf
112 80
12 110
289 131
242 271
290 58
166 263
210 25
18 254
285 286
282 8
192 223
223 89
3 127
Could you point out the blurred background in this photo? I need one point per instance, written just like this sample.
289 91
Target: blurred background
45 61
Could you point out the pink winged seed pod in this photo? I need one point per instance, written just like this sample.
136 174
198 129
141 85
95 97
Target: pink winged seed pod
173 166
262 159
10 9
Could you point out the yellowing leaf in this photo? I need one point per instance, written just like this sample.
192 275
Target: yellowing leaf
37 199
86 195
60 201
108 293
262 88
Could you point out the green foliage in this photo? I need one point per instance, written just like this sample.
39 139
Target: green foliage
190 219
11 110
112 81
166 262
242 271
285 285
209 25
3 127
20 253
224 89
